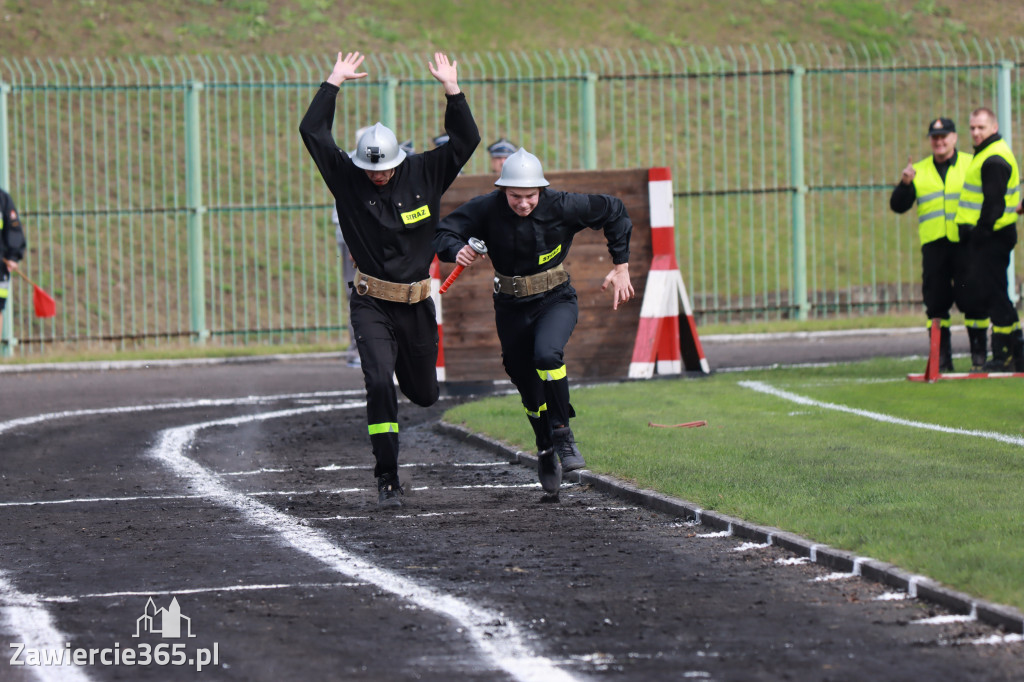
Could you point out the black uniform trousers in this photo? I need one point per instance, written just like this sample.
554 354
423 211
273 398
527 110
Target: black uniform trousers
533 334
989 254
394 340
944 280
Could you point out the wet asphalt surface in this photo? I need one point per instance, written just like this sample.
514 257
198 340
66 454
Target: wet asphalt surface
244 491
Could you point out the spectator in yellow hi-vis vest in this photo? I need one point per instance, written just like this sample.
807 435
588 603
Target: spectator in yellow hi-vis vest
934 183
987 216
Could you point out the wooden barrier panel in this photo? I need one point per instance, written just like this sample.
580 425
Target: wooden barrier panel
602 344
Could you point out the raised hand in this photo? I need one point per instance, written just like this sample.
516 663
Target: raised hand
907 176
346 68
445 72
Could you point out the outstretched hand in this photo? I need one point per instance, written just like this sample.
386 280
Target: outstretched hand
622 288
445 72
346 68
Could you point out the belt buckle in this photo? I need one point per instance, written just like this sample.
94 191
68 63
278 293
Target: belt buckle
409 290
362 286
516 280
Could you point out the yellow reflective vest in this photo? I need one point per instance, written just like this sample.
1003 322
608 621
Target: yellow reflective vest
937 200
971 198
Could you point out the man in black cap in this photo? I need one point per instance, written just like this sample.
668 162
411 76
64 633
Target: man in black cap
499 151
935 183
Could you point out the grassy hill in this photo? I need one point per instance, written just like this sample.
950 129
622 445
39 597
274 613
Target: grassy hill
103 28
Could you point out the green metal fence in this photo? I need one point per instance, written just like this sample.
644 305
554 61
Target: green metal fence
171 198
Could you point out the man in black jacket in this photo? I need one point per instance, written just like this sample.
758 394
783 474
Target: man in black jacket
388 206
12 248
528 230
987 217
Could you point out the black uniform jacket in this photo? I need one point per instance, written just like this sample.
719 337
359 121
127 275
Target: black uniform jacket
389 230
12 238
541 240
995 176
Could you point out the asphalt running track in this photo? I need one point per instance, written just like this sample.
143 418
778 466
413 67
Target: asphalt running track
243 491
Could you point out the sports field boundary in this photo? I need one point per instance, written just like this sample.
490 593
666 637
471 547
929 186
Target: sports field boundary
919 586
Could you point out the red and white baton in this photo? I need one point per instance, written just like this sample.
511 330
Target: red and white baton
478 246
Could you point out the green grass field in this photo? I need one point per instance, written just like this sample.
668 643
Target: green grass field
927 476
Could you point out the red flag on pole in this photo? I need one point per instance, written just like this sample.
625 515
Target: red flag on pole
43 303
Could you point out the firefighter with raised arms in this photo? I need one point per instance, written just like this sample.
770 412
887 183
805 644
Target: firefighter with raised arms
528 229
388 208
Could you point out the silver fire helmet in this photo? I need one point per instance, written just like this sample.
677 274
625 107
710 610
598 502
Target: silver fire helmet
378 149
522 169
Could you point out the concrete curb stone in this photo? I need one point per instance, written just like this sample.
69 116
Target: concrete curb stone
1006 617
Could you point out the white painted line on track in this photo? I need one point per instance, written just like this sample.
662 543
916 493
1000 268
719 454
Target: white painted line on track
198 590
999 639
403 465
31 624
495 636
747 546
891 596
174 405
831 577
762 387
943 620
793 561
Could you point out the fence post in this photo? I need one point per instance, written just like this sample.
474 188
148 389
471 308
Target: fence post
388 114
194 200
1004 112
8 341
588 124
796 180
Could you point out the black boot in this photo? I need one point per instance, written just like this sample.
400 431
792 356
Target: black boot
1017 350
549 471
388 491
1002 355
565 446
978 337
945 351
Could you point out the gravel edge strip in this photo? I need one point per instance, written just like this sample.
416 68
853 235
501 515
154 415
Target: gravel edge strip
922 587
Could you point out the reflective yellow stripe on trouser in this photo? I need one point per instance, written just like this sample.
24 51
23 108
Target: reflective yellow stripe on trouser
1006 330
535 415
385 427
552 374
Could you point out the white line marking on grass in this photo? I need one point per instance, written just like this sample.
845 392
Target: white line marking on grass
762 387
495 636
31 624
